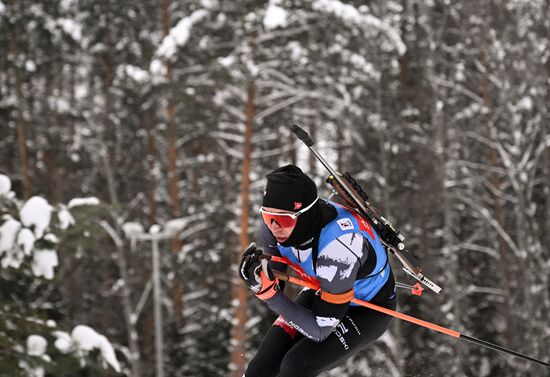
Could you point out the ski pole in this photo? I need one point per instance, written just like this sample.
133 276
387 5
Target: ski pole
408 318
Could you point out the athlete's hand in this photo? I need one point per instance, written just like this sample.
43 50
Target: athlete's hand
257 274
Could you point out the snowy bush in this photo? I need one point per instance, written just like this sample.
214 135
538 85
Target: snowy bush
29 238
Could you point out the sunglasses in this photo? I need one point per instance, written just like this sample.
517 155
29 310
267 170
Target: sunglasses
284 219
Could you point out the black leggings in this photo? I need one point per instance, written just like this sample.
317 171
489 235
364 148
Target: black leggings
284 353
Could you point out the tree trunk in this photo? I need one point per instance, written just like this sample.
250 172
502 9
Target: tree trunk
20 119
385 137
404 61
53 178
446 154
503 252
150 166
240 291
110 133
385 206
173 192
546 135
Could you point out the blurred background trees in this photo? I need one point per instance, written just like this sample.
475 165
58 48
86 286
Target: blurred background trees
164 110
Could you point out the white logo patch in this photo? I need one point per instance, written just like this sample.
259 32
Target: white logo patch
327 321
326 272
345 223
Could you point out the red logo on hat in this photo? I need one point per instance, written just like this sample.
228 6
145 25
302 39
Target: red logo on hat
297 205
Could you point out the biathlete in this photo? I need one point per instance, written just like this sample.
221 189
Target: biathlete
331 246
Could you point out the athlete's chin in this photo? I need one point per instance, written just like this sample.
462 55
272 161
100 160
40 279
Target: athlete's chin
281 239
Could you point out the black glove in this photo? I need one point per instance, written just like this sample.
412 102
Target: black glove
257 274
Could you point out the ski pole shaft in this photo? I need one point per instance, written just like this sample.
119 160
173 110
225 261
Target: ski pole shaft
369 305
416 321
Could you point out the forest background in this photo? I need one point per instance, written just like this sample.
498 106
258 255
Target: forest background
175 111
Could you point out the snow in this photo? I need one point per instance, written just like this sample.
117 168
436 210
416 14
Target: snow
63 342
71 28
30 66
157 69
25 240
210 4
459 74
350 14
155 228
5 182
43 264
65 218
50 237
227 61
11 257
77 202
62 105
136 73
132 229
179 34
36 212
36 345
275 16
8 233
66 5
526 103
87 339
175 225
296 50
31 371
360 62
344 11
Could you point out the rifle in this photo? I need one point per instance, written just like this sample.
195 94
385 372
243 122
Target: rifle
356 198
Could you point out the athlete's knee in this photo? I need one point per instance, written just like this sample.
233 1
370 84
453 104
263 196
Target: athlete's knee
260 367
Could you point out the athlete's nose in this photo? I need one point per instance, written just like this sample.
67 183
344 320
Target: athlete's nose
274 224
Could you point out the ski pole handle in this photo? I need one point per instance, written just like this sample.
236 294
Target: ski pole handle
284 277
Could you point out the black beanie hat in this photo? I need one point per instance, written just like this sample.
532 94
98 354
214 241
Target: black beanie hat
288 188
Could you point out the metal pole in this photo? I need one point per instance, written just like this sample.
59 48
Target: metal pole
157 309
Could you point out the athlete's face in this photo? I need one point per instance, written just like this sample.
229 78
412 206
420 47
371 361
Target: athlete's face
280 225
